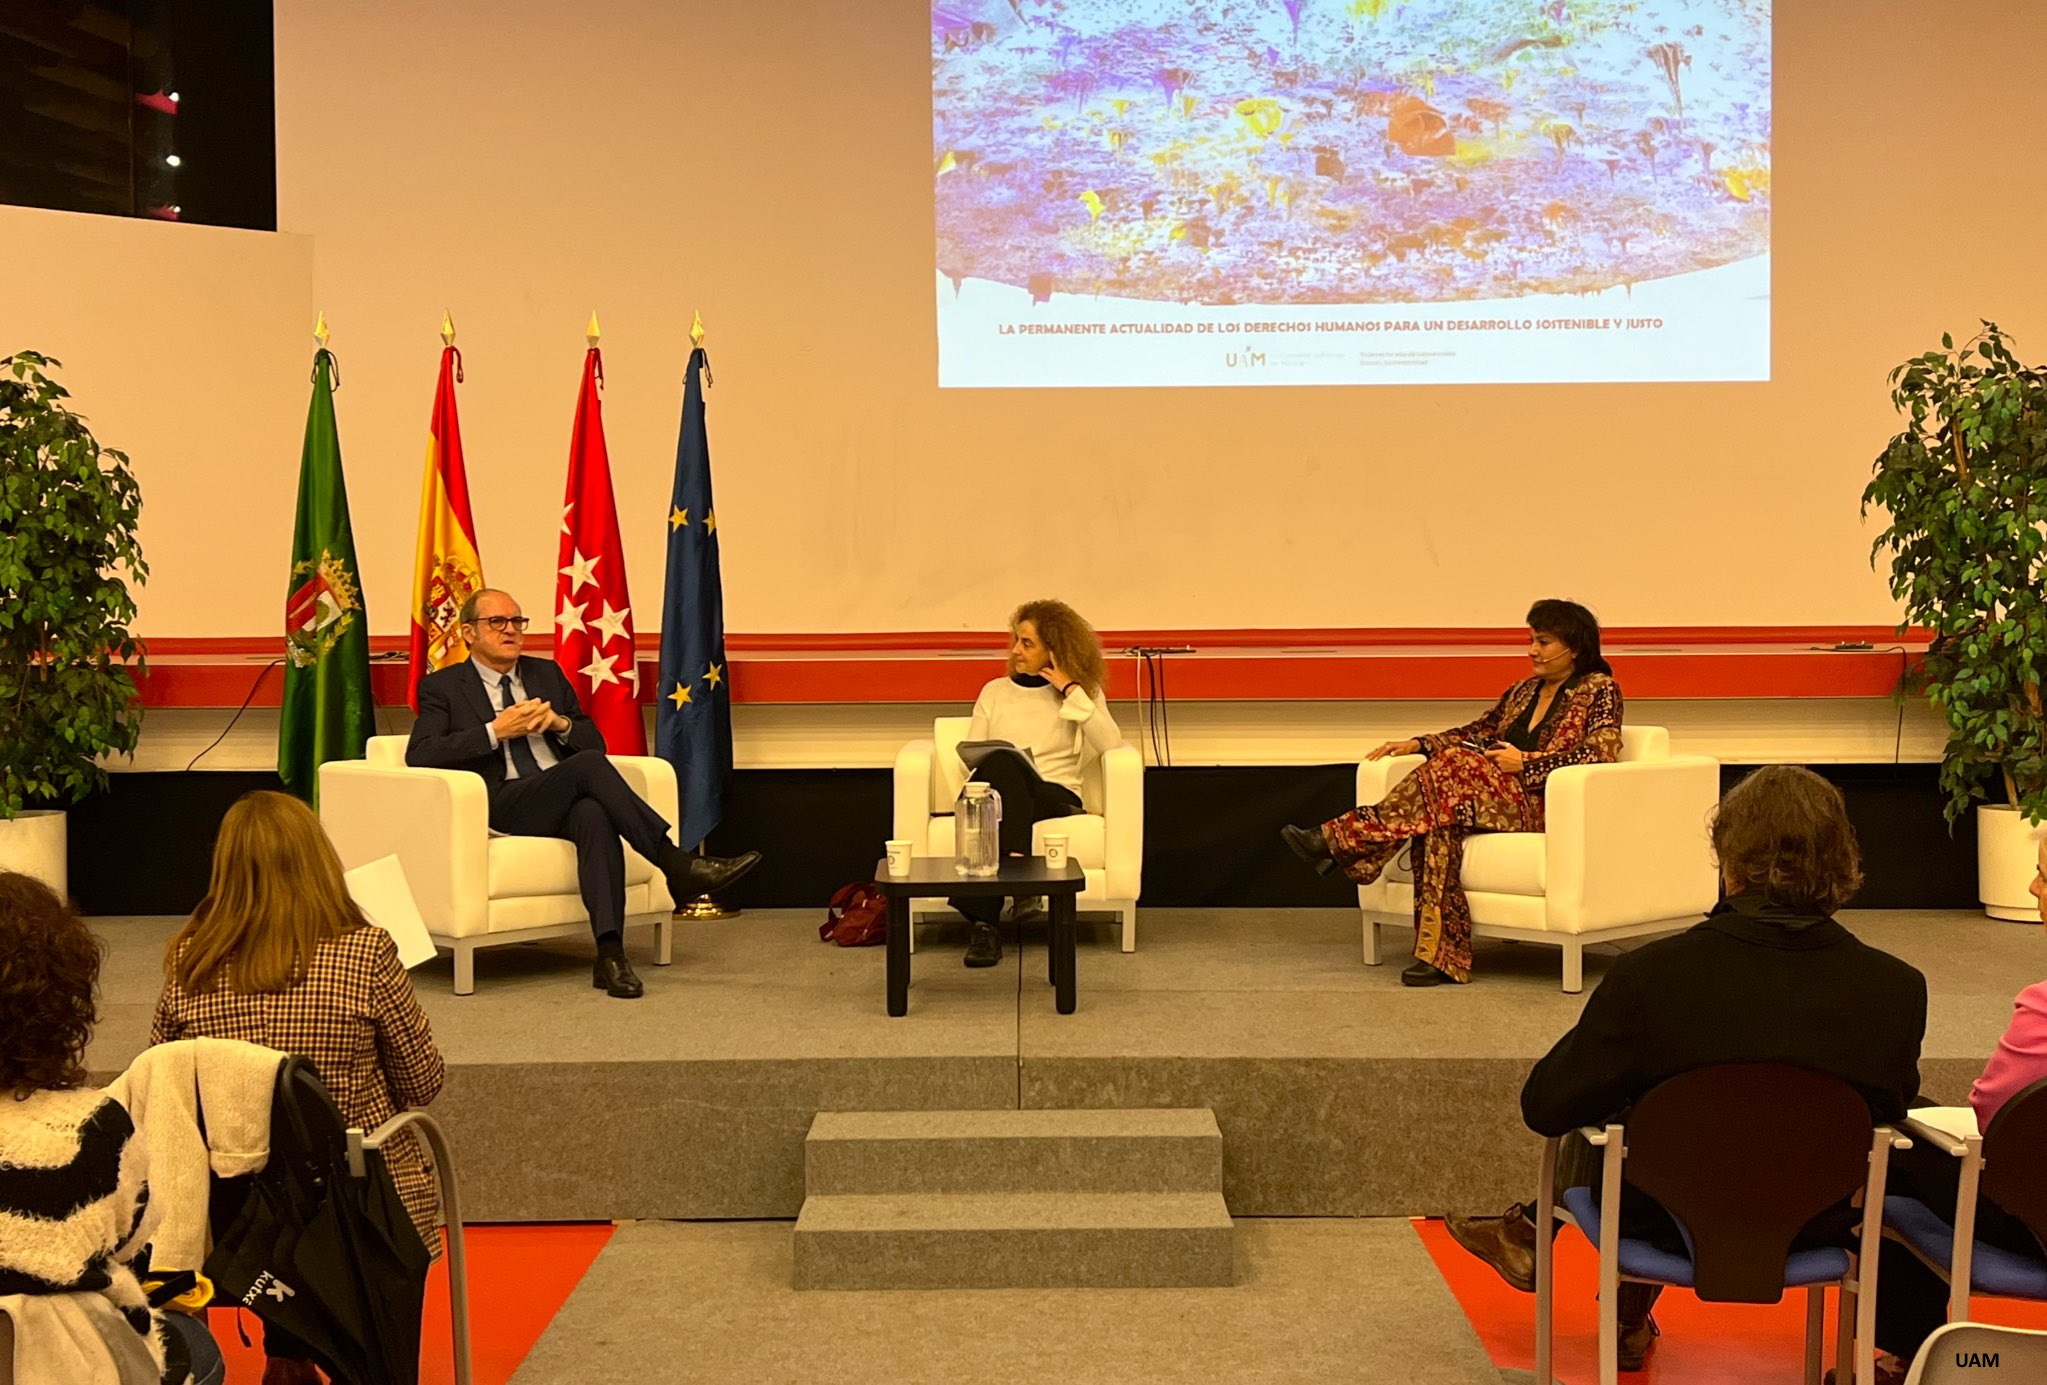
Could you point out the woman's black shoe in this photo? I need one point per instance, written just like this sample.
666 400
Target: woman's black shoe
1310 845
984 948
1422 974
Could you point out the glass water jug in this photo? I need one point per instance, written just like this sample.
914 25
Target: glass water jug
977 830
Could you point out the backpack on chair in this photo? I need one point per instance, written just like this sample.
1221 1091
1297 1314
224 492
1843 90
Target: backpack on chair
856 917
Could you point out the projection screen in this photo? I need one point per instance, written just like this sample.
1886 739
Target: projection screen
1329 192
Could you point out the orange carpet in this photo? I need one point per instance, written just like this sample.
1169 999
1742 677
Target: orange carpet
519 1277
1702 1343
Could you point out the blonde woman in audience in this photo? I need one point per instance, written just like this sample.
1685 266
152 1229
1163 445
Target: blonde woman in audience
278 954
75 1212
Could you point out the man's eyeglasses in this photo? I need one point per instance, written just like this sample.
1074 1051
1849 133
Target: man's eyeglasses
518 623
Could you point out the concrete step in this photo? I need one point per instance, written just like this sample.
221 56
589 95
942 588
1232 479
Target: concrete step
1084 1151
1010 1240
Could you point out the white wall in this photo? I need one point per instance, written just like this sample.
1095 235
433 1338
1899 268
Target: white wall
524 161
186 347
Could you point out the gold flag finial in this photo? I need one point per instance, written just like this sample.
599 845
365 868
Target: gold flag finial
447 328
696 331
320 332
591 333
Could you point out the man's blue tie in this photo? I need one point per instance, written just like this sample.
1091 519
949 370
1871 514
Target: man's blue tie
522 753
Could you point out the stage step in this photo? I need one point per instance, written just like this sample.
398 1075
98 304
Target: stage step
1013 1199
1013 1151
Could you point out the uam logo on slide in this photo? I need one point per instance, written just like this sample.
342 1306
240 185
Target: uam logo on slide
268 1284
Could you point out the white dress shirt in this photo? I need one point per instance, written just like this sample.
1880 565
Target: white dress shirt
493 682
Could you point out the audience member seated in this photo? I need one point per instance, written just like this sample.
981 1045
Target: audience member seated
75 1210
1913 1301
278 954
1484 776
1769 976
1052 712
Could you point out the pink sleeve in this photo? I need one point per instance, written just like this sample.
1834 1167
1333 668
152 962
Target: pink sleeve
2021 1057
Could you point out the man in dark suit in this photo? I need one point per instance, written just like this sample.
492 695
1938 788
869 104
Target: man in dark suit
1768 977
515 721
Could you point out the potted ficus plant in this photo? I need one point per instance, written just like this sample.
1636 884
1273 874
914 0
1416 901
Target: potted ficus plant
1965 487
68 552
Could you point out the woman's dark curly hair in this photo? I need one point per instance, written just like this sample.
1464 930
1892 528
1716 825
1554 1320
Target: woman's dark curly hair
1783 830
1575 627
49 969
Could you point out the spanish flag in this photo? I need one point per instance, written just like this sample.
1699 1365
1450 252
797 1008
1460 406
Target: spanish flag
446 568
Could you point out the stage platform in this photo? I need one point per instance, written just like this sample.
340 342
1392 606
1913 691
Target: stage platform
1339 1092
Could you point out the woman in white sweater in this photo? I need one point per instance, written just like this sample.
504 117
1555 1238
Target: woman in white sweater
75 1213
1052 705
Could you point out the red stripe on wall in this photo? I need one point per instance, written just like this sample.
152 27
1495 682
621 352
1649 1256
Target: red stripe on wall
1227 665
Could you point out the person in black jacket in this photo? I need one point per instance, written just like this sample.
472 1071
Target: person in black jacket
1768 977
516 722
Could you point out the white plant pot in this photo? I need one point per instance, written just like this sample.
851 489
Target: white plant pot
2007 856
34 844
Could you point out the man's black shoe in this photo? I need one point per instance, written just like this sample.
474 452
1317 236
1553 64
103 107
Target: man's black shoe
1422 974
984 949
709 874
615 976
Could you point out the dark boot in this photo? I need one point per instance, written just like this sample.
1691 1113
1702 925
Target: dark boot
984 949
1635 1343
1638 1330
1422 974
1310 845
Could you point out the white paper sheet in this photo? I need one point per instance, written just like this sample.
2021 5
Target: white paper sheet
1956 1121
381 891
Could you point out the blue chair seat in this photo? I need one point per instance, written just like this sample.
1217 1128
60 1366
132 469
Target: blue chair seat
2002 1273
1641 1260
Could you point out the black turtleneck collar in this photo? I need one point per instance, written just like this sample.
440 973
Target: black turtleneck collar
1029 680
1753 917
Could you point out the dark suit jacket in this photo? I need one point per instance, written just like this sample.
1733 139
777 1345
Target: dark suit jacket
455 712
1751 984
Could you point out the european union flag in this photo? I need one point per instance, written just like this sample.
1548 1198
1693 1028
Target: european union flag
693 725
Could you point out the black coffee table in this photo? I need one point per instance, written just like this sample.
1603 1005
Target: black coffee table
933 877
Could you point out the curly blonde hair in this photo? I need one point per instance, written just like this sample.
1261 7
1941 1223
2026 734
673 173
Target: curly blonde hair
1071 640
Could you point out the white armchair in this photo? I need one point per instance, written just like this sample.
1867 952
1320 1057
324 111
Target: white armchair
1107 841
475 890
1625 854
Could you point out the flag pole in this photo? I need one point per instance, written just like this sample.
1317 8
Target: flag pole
703 908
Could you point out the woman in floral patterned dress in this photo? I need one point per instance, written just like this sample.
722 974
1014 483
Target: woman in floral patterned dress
1484 776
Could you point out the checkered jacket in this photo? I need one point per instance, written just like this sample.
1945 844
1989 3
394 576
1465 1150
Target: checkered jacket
354 1014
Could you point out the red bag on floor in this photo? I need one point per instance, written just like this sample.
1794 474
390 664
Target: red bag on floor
856 917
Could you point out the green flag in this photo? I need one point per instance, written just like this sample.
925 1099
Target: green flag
328 714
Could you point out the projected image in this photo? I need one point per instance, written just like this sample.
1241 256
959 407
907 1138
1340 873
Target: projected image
1136 191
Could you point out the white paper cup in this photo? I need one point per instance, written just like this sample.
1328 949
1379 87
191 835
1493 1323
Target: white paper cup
1055 850
898 856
